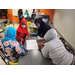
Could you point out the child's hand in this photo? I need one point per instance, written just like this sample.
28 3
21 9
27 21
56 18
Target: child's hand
43 41
31 34
27 38
21 39
32 20
40 45
16 38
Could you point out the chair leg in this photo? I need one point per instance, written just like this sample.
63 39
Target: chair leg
4 60
2 56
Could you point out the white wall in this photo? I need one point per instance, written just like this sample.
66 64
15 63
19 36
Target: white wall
15 11
64 22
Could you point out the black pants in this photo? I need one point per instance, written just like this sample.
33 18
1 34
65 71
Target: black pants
20 19
26 19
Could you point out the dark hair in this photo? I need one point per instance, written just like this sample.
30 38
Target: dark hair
20 12
26 10
39 10
45 16
33 9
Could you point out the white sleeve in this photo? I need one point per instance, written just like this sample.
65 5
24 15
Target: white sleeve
45 51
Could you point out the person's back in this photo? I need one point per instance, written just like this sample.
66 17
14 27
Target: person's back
20 14
10 46
57 52
12 50
55 49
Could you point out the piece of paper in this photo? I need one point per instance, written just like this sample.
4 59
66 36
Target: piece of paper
25 16
39 38
31 44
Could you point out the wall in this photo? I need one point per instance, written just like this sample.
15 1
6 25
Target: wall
64 22
47 12
11 17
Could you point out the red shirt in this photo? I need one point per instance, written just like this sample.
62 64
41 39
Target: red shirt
22 32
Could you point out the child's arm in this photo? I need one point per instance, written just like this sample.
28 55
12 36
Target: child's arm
45 51
19 49
26 38
34 34
40 45
43 41
17 37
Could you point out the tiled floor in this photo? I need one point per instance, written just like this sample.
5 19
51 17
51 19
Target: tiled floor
2 34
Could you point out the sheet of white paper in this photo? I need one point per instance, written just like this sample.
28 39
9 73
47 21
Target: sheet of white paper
39 38
31 45
25 16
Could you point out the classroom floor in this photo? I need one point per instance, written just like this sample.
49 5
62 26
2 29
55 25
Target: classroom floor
2 34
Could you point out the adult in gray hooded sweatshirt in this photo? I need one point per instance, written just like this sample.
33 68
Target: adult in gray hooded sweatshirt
54 49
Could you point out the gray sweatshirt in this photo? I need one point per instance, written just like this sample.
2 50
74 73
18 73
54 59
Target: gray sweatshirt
38 15
55 49
57 52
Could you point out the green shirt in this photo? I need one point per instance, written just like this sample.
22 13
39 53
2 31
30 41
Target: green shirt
26 13
34 18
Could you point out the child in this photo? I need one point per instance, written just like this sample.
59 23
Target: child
28 22
11 47
34 17
33 13
26 13
54 49
28 19
22 32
